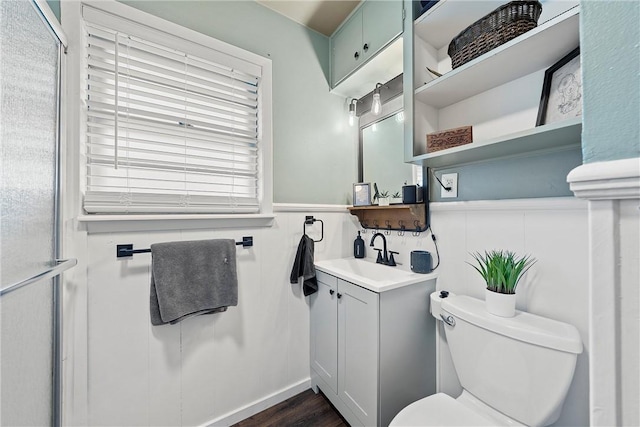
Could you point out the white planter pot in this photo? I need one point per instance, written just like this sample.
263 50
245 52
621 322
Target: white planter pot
383 201
503 305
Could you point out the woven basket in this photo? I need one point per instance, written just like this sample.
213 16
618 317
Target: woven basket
503 24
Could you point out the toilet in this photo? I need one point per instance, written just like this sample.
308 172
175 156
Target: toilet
513 371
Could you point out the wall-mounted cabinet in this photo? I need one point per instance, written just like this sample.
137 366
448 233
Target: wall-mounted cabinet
367 32
497 93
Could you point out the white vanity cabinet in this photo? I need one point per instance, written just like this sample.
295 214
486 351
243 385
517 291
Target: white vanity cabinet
370 28
371 353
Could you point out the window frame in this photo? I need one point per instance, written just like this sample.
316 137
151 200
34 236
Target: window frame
192 40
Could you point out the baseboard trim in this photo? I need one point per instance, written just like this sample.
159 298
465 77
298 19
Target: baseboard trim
260 405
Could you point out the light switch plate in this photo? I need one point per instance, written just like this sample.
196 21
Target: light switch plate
449 180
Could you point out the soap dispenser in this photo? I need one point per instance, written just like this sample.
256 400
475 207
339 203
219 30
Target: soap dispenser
358 247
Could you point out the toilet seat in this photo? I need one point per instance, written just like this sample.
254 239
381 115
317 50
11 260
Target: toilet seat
439 410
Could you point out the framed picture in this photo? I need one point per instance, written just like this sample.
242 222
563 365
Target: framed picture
362 194
561 91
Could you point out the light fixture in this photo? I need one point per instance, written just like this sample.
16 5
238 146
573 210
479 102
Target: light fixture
352 111
376 105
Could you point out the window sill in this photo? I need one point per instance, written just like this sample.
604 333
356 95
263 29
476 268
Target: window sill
117 223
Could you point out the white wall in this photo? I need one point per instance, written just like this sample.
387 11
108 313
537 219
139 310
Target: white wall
226 366
612 189
205 368
552 230
629 314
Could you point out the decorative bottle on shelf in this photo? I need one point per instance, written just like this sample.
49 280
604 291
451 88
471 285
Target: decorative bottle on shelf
358 247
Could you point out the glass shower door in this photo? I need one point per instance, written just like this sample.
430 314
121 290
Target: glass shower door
29 82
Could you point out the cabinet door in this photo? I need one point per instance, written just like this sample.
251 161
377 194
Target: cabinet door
324 331
358 351
346 48
381 23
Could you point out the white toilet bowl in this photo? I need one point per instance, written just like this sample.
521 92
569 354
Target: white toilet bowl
513 371
443 410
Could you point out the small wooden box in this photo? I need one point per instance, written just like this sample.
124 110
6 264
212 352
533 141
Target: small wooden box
449 138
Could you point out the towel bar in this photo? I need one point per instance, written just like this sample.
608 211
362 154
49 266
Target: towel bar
127 250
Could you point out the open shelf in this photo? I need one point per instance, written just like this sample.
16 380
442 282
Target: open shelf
564 134
413 217
535 50
447 18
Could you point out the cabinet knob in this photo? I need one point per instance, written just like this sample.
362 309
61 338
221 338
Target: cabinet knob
339 295
356 55
331 292
365 47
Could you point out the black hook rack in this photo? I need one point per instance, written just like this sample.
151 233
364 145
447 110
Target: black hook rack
127 249
309 220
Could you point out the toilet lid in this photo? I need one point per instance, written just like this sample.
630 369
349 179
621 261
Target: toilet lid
439 410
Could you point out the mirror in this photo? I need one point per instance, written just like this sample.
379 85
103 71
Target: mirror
381 157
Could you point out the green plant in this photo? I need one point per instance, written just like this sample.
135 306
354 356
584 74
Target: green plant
502 270
396 195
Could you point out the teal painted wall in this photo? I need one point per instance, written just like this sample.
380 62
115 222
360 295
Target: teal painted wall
542 175
55 7
610 48
314 153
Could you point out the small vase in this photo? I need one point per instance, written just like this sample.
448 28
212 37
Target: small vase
383 201
503 305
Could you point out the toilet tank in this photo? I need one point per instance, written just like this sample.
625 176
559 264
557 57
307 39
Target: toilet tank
521 366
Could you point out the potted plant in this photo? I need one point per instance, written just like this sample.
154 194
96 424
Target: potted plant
501 270
383 198
396 198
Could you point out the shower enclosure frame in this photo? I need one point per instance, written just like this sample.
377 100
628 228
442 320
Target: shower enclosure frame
51 22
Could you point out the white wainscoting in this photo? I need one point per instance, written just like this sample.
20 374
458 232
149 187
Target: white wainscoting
224 367
214 369
613 191
553 230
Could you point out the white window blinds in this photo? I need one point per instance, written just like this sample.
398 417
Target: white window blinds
168 131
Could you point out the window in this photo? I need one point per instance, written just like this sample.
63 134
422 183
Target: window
172 126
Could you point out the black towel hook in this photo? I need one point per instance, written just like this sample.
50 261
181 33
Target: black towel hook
402 228
309 220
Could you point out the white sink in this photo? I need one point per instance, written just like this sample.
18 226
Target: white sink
369 275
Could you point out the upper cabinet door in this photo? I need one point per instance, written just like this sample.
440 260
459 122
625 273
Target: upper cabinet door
381 23
346 48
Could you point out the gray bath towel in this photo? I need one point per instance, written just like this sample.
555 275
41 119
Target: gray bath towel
303 266
190 278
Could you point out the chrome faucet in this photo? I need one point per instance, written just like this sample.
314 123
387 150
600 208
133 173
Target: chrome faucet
383 255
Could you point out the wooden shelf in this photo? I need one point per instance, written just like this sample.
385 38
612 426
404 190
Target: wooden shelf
559 135
535 50
413 217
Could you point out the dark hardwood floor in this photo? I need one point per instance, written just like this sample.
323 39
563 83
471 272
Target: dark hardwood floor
305 409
